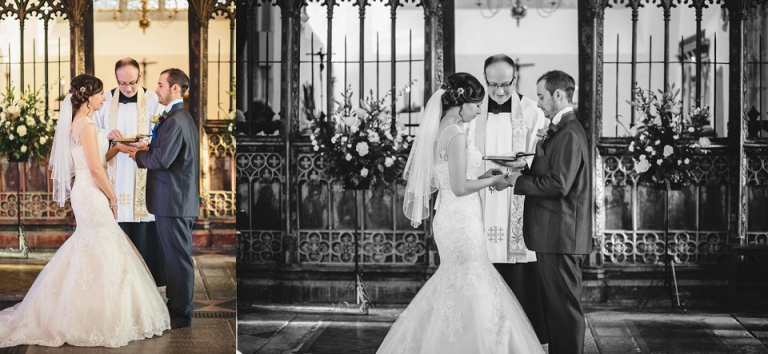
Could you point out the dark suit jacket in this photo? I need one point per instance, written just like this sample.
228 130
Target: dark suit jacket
173 167
556 218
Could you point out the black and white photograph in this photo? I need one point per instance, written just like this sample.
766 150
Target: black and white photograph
502 176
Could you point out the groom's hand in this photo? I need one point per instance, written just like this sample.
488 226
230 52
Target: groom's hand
137 149
512 178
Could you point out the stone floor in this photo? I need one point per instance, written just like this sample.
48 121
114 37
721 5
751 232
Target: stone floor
213 326
328 330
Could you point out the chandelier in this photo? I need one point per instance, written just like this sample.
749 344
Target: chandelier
145 11
545 8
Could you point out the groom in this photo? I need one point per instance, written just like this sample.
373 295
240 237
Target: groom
556 219
173 191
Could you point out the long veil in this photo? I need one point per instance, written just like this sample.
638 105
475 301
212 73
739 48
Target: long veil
60 163
420 168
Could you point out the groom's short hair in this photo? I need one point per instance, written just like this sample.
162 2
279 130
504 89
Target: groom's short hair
559 80
177 77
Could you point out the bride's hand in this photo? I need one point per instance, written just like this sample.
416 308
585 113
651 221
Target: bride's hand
113 206
490 173
500 182
125 148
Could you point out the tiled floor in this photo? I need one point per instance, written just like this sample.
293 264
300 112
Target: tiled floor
213 326
319 330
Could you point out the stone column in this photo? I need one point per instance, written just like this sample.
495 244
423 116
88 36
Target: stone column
591 16
737 124
89 56
200 12
76 11
290 11
433 47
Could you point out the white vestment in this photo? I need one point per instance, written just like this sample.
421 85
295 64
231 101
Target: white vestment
499 134
125 174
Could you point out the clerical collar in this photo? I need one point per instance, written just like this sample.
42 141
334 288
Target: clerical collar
560 114
496 108
124 99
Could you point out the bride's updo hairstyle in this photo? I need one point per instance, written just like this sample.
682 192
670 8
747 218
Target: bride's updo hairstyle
461 88
82 88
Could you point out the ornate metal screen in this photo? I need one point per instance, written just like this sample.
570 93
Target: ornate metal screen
689 44
24 66
287 211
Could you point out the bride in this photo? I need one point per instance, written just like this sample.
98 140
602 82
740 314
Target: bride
466 307
96 290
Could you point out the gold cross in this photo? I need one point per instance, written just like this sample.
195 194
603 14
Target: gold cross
495 234
124 199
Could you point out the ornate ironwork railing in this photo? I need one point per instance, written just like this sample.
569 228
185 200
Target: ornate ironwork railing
325 217
699 213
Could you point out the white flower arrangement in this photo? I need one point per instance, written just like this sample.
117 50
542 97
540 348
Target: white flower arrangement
665 134
363 146
26 130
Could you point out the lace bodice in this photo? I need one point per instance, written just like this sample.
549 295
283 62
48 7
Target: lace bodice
78 155
474 161
458 220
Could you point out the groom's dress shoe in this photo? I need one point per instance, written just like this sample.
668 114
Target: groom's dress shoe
175 324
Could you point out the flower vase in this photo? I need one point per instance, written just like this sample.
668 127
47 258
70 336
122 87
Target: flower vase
21 158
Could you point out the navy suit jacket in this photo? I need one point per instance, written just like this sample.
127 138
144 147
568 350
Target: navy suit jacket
173 167
556 217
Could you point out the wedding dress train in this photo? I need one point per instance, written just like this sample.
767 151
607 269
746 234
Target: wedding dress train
96 290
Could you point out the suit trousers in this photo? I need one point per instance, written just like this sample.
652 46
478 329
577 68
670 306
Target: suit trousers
176 243
523 280
560 277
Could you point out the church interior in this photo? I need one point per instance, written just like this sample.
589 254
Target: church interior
290 259
310 252
45 44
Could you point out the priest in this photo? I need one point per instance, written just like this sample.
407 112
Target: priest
127 113
509 122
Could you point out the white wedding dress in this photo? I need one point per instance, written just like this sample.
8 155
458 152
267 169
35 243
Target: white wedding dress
465 307
96 290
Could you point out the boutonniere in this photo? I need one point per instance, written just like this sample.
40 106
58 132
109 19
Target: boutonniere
546 133
156 118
